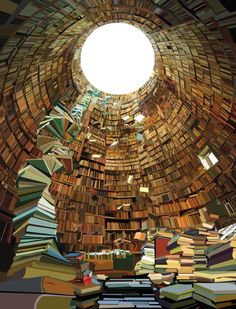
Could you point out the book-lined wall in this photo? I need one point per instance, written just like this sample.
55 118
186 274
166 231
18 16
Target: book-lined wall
35 71
122 166
214 118
23 19
152 16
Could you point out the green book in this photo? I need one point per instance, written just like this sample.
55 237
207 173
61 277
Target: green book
177 292
217 292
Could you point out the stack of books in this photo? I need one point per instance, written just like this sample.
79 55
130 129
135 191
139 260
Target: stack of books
222 256
35 222
87 294
128 293
82 268
167 264
191 246
202 238
87 288
177 296
228 232
216 295
164 261
182 245
147 263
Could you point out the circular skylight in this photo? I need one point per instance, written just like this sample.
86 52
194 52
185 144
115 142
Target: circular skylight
117 58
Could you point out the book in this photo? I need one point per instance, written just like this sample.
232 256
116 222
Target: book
170 304
88 289
161 247
38 269
217 292
215 276
39 301
177 292
38 285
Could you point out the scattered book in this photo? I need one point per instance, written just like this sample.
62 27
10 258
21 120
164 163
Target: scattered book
177 292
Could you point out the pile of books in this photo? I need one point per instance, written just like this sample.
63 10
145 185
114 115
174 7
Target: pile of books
147 263
128 293
177 296
164 262
201 239
83 268
198 255
222 256
35 223
191 246
228 232
216 295
87 288
181 246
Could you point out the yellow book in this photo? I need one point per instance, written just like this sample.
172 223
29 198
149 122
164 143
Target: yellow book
31 272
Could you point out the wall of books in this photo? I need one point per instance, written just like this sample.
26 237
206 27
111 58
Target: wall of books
164 155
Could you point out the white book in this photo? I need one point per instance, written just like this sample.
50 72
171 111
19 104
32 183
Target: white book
144 189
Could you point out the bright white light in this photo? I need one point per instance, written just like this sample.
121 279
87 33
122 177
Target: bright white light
117 58
139 118
213 158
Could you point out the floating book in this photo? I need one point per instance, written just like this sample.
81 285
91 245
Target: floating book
139 137
130 178
125 118
114 144
96 156
144 189
139 118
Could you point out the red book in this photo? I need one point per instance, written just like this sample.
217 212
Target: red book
160 247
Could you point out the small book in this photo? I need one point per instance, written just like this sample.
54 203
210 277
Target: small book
144 189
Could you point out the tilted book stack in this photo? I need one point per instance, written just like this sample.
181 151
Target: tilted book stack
216 295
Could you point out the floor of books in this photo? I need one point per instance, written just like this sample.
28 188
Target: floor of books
192 269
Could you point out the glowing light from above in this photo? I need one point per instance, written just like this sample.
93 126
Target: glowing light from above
117 58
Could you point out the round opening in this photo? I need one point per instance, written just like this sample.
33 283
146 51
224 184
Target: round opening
117 58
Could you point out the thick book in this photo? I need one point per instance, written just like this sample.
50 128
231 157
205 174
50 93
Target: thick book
217 292
177 292
210 303
171 304
87 289
38 285
161 247
37 301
